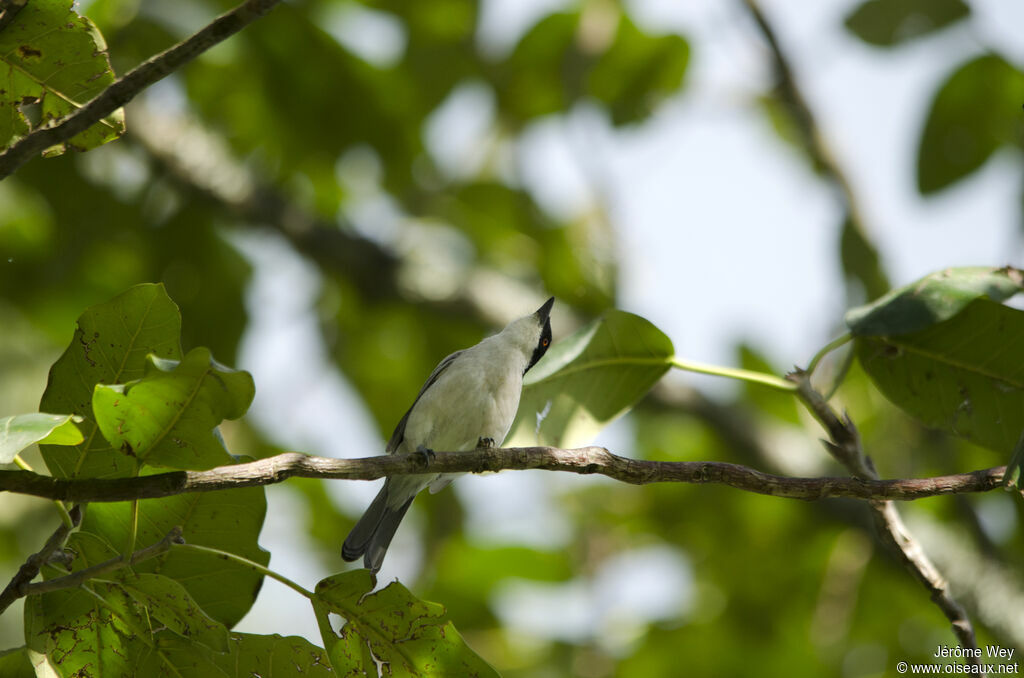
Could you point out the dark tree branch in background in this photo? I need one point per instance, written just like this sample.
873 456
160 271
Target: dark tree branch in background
8 10
125 88
845 446
585 460
20 584
817 149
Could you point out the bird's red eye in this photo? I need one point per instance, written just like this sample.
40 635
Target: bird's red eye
545 341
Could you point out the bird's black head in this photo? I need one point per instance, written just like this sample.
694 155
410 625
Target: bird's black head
543 316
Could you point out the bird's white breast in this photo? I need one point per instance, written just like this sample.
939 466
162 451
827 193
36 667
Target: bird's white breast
476 397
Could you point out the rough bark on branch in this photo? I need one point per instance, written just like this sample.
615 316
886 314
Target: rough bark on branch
125 88
584 460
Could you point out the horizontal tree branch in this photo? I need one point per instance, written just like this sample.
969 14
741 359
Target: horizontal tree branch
125 88
584 460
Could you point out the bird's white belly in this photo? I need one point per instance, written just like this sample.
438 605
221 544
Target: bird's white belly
460 408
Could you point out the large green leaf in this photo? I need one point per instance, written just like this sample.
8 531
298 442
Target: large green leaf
168 603
409 636
19 431
15 663
147 626
933 299
945 350
229 520
974 112
168 417
588 379
51 55
94 633
247 656
110 346
889 22
964 375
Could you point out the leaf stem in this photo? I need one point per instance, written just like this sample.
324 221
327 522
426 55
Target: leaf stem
826 349
252 565
769 380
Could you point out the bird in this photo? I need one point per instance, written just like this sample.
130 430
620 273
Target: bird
468 402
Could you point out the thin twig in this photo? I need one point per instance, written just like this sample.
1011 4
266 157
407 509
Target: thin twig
845 446
76 579
132 83
21 581
10 8
585 460
813 142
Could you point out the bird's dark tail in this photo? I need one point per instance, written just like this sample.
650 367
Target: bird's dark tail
372 535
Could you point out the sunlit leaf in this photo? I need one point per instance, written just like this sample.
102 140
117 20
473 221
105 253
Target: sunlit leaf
19 431
932 299
168 417
110 346
974 112
886 23
410 636
52 56
588 379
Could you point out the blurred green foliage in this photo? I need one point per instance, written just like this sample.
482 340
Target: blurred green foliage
789 588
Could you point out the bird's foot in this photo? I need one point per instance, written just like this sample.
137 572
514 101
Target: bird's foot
484 443
426 454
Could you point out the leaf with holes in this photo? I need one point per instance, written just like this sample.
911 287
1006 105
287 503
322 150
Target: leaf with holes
590 378
167 602
410 636
20 431
54 58
168 418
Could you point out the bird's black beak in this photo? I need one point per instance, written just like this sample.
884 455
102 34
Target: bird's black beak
544 312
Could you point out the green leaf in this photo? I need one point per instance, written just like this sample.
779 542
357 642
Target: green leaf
886 23
410 636
167 601
566 57
588 379
110 346
15 663
933 299
964 375
974 112
52 56
638 72
168 417
247 655
19 431
229 520
95 632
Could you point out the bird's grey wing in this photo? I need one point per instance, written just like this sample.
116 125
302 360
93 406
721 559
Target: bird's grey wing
399 434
